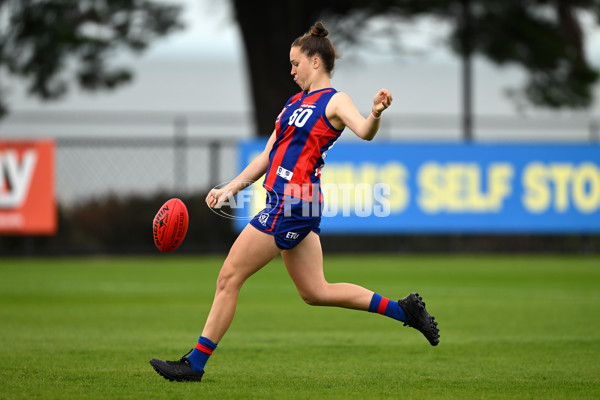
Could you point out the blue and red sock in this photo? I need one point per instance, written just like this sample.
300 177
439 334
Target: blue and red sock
199 356
385 306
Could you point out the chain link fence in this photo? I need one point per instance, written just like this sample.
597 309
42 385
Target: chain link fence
93 168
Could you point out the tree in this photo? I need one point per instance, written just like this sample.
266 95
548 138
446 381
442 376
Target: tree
545 37
51 43
268 30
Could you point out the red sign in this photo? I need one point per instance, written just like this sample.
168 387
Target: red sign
27 202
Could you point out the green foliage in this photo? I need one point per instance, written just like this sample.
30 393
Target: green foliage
123 225
543 37
47 41
117 225
511 328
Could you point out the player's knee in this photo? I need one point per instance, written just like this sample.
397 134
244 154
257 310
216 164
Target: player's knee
313 298
228 279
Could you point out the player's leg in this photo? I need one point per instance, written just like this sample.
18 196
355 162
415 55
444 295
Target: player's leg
251 251
305 266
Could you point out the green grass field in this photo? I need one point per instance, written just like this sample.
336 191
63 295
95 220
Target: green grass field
512 327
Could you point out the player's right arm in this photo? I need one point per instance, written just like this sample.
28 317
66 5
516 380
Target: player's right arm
250 174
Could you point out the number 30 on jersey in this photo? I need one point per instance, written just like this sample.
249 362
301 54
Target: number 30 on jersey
300 116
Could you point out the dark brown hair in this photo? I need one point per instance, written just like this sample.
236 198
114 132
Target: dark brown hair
315 42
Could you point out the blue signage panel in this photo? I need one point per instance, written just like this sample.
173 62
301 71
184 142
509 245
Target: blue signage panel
457 188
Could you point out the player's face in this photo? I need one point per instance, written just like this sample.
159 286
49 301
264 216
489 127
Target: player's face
301 67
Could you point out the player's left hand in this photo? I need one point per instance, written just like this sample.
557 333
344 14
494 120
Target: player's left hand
382 100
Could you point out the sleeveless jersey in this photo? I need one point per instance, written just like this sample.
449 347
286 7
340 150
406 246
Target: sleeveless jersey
303 137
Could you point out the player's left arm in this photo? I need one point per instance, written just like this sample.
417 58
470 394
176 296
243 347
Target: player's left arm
343 113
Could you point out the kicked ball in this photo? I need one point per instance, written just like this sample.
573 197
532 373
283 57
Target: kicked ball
170 225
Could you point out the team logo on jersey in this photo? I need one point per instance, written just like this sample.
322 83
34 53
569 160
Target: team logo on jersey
262 218
284 173
307 105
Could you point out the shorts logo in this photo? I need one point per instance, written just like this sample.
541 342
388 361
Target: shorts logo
292 235
262 218
284 173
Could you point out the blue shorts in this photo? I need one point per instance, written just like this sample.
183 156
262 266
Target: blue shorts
289 220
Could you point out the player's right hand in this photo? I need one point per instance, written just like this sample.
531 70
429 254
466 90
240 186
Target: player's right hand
216 197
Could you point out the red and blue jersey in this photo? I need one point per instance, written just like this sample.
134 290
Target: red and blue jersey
303 136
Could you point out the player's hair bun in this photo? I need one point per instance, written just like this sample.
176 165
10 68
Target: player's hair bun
319 30
314 42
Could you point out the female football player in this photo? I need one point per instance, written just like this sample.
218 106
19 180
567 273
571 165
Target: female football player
309 124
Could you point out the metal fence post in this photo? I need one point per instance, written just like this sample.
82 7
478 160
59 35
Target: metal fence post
594 131
214 151
180 125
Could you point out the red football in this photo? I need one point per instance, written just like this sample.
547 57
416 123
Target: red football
170 225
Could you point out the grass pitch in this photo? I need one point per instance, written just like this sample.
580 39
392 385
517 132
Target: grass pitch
525 327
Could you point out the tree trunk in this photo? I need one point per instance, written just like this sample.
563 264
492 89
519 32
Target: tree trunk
268 29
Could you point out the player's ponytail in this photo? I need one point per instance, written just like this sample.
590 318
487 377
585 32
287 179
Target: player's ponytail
315 42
